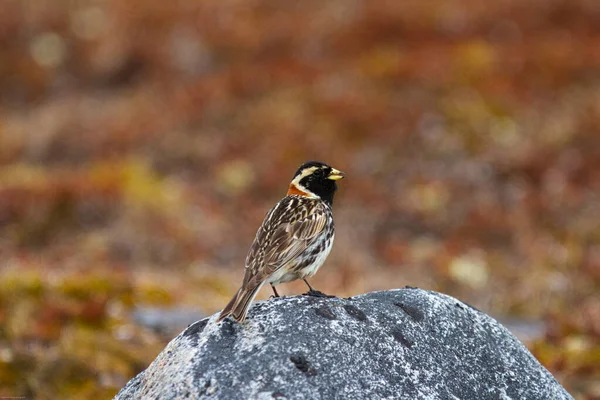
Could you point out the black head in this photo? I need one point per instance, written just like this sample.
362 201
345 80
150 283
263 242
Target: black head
317 178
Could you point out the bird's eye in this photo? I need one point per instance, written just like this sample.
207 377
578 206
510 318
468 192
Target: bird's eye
319 173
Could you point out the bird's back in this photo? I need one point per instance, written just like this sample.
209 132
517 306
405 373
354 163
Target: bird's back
273 237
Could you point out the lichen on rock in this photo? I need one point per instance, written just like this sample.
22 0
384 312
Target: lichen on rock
397 344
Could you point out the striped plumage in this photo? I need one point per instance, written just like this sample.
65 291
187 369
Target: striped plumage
294 239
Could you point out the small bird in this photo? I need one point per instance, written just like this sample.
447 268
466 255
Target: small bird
294 239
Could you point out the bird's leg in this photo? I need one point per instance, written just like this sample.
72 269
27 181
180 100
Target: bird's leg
274 291
308 284
313 292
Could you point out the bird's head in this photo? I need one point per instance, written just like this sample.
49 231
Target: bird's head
315 179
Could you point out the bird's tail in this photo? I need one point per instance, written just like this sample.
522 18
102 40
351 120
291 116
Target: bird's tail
238 306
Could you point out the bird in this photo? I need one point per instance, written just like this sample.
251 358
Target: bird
294 239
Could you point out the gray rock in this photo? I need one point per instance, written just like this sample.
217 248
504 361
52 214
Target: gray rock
397 344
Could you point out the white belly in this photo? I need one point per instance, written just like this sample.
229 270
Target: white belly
314 267
288 273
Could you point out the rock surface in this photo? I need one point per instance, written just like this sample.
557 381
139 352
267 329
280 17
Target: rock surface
398 344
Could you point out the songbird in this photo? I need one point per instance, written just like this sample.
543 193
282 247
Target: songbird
294 239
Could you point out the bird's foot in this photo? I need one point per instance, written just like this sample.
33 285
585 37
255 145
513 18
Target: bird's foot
316 293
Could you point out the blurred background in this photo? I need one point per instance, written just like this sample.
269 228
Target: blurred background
142 142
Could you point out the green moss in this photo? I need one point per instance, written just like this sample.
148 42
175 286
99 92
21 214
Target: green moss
86 287
14 366
153 295
19 285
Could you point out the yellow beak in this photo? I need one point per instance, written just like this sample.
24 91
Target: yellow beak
335 175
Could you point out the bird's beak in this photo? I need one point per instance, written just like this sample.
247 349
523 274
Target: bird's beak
335 175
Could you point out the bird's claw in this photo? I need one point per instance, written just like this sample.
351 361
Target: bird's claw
316 293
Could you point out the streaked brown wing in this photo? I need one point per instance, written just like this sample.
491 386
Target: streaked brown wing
291 239
281 239
256 255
